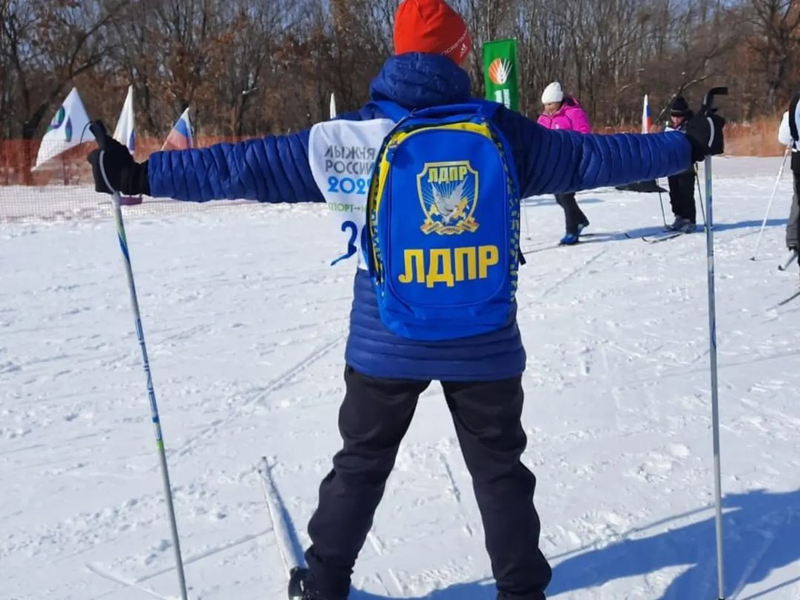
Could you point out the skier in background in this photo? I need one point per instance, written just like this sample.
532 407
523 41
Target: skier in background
565 113
385 372
681 185
788 136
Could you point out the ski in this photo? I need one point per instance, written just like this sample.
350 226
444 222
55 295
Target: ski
537 249
663 238
788 263
789 299
592 237
655 239
289 546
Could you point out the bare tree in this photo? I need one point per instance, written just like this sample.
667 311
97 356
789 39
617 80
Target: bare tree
251 67
253 32
775 40
48 44
7 83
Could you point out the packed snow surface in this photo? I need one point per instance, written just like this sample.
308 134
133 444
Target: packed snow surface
246 323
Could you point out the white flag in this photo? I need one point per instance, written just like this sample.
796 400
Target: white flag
333 106
125 133
69 128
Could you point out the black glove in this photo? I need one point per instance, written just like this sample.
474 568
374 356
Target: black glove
123 174
705 134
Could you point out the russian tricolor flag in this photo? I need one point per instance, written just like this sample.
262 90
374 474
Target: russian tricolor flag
647 118
180 138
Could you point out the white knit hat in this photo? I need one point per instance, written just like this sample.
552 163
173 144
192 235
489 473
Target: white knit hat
553 93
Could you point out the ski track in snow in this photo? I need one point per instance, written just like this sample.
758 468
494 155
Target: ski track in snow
245 323
99 571
258 395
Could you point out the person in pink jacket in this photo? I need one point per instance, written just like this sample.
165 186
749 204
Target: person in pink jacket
564 112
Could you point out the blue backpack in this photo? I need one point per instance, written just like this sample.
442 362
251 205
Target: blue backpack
443 223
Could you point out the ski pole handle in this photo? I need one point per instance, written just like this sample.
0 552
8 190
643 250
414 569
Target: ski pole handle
100 133
708 101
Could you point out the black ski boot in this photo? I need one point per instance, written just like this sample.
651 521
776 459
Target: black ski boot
503 596
301 587
298 579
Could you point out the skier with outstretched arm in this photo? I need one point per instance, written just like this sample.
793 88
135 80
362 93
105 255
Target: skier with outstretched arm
435 233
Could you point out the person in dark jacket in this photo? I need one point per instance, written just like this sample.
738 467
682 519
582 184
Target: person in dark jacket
788 135
681 185
385 373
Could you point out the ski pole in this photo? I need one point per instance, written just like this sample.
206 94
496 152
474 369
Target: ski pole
771 200
706 111
700 193
663 214
100 134
526 209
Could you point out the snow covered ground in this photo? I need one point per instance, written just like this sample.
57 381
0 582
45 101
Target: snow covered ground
246 324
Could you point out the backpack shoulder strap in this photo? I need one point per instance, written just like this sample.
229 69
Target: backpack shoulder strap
397 113
392 110
477 107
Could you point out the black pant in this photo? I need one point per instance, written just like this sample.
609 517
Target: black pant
373 419
573 215
793 227
681 195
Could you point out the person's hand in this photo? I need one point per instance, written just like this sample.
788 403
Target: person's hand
113 167
706 135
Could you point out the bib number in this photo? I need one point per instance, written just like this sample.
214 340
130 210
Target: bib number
342 155
348 185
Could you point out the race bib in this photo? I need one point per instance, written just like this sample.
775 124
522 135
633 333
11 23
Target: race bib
342 157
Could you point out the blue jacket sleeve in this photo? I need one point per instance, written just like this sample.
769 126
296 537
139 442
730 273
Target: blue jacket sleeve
270 169
552 161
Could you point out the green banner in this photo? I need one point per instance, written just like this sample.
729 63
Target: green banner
500 72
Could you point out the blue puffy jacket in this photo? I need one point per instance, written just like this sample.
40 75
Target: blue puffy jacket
276 169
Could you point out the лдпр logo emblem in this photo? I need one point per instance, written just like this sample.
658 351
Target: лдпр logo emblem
448 192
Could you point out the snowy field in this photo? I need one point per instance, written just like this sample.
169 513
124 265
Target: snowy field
246 325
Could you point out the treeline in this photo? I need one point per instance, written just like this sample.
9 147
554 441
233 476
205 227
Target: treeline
250 67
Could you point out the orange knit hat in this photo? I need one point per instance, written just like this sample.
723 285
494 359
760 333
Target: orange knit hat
431 27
